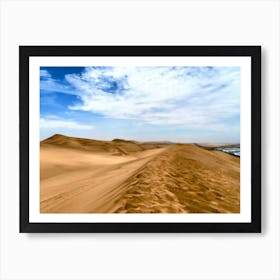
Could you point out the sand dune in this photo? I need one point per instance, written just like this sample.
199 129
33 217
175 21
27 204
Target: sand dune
89 176
115 147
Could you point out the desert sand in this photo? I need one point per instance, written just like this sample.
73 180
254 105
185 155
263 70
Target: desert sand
90 176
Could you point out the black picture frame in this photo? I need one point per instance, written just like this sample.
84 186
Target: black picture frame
254 52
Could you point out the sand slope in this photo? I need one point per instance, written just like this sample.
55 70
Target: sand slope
82 175
183 179
89 176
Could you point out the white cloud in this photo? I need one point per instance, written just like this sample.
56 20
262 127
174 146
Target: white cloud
186 96
53 122
44 74
192 97
49 84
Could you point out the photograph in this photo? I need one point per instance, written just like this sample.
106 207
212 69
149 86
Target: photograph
140 139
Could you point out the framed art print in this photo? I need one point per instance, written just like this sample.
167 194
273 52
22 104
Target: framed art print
140 138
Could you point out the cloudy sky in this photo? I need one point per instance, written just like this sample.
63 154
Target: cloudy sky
182 104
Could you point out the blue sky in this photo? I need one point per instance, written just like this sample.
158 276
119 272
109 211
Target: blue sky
181 104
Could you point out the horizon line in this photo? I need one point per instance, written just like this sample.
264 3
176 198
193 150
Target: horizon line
123 139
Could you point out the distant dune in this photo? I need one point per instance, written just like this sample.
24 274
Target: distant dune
122 176
117 146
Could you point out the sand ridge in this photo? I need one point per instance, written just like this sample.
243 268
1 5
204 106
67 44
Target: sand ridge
184 179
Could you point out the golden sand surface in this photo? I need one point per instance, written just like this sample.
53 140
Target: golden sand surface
89 176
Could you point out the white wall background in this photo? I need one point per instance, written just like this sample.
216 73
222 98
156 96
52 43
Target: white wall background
139 256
